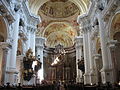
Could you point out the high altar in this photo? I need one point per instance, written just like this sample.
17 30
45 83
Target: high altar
59 64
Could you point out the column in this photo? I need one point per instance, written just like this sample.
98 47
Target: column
106 71
113 64
86 57
92 71
11 68
32 40
28 36
19 67
97 58
4 47
79 55
40 47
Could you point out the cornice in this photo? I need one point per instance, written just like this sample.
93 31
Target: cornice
32 17
6 11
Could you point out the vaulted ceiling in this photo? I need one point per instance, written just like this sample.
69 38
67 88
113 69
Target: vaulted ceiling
58 18
36 4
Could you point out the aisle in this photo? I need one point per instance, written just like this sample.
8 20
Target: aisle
62 87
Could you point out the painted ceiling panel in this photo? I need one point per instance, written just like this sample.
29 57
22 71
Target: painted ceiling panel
59 24
52 9
36 4
60 33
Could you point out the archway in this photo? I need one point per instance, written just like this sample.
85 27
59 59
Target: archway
81 4
115 35
3 37
99 63
116 56
59 33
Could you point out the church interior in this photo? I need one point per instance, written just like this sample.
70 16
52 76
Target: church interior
60 44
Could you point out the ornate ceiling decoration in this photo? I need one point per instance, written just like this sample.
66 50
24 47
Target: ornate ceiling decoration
115 26
59 33
35 5
58 0
59 9
58 19
3 30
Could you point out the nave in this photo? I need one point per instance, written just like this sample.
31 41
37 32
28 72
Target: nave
60 44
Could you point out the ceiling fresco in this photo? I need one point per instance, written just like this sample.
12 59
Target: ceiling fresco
59 33
58 0
35 5
58 20
115 27
59 9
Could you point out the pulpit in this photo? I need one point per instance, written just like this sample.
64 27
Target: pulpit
28 69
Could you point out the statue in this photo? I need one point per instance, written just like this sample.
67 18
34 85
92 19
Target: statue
27 65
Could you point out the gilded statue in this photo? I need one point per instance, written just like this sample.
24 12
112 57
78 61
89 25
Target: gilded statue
29 54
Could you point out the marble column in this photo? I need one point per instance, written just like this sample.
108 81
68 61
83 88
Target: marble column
79 55
32 40
39 48
86 57
5 48
28 36
106 71
97 58
19 67
112 45
92 71
11 68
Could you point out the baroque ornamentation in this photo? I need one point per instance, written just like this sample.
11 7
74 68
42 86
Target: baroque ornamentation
60 33
59 9
27 65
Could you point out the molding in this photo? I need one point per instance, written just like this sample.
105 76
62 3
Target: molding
112 44
5 45
6 11
32 17
40 41
111 7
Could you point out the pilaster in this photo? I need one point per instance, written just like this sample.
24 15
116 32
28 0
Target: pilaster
106 71
85 25
112 46
97 58
11 72
79 55
39 48
5 48
92 71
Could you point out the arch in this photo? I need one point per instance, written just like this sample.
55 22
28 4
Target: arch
116 56
59 33
52 23
36 4
3 28
114 25
114 34
3 38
